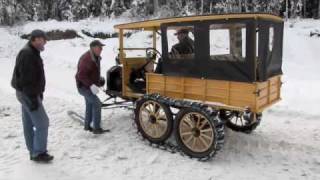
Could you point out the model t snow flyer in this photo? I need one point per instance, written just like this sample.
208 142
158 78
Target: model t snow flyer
224 71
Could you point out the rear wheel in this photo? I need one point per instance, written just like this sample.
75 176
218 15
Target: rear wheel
243 122
154 120
198 133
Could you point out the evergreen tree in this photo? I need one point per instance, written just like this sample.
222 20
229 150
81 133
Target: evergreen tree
12 11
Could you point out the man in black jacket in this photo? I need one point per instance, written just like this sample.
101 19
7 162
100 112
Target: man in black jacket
185 45
29 81
182 50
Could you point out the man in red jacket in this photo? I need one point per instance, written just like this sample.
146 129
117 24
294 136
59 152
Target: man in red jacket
88 82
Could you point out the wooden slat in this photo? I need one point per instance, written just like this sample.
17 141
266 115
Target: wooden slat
273 89
273 96
242 103
234 95
193 96
150 91
262 102
242 87
263 93
217 93
194 90
174 94
262 85
217 99
218 84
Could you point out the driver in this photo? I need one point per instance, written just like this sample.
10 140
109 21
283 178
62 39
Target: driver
185 45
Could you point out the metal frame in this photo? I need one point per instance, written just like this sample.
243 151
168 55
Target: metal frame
113 95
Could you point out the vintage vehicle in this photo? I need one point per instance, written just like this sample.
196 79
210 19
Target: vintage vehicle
231 75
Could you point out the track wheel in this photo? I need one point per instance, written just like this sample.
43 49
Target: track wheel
154 120
243 122
199 134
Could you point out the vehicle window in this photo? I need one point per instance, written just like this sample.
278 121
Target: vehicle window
180 42
271 38
132 49
228 42
219 42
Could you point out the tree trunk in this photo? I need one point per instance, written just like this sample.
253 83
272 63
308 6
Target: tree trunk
318 9
201 7
250 5
304 8
245 6
155 6
287 11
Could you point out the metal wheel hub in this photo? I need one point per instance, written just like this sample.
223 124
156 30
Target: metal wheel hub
196 132
152 119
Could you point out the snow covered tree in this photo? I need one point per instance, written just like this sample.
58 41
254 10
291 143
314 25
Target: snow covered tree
12 11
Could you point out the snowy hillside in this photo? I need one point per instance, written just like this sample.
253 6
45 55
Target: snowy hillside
285 146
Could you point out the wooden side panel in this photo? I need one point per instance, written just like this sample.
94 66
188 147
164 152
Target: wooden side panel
225 92
268 92
231 94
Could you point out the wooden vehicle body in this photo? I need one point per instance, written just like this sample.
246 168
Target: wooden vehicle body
209 88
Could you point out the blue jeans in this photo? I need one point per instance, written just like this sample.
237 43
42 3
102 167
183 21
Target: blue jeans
35 125
93 108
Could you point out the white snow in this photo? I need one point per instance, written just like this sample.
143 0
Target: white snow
285 146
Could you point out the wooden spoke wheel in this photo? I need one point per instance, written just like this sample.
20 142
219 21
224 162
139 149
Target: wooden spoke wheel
196 133
154 120
242 122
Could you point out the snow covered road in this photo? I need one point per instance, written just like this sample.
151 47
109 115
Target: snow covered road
285 146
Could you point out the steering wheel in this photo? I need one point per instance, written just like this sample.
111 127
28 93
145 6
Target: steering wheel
152 54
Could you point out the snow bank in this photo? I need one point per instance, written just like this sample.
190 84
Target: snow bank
92 25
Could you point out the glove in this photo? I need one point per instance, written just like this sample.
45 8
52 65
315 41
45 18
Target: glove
34 104
94 89
102 81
